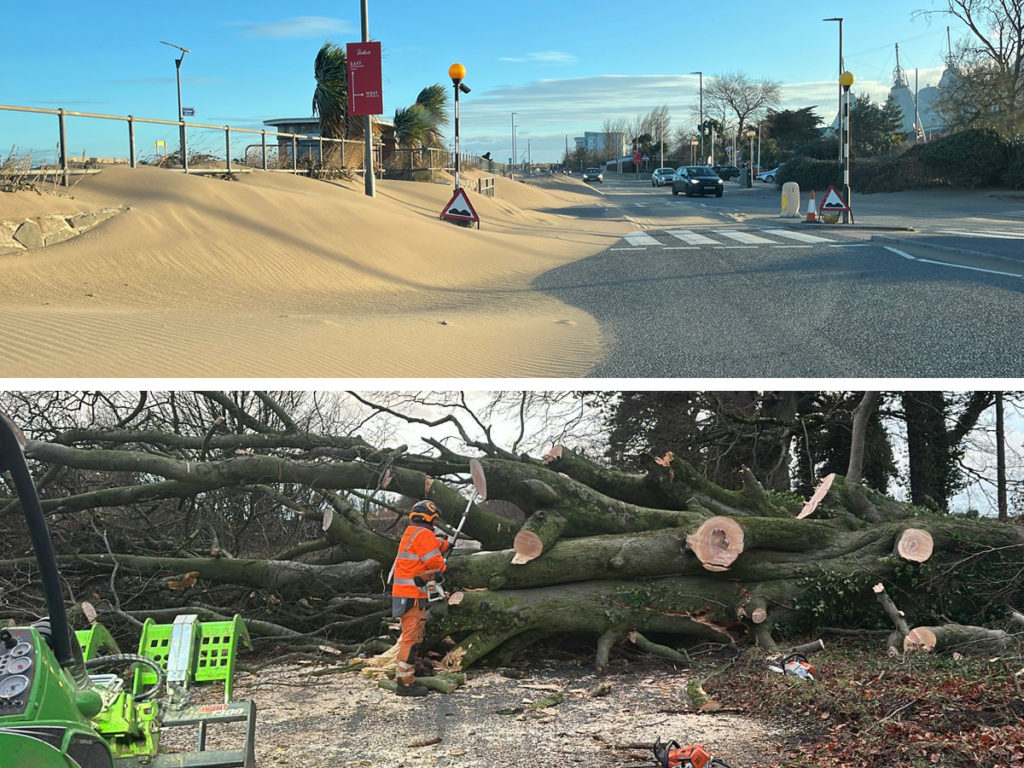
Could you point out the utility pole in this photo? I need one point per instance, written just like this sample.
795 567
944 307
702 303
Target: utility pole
513 170
701 74
839 111
368 179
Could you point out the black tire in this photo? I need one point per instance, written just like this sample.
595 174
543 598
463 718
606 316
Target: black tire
719 193
675 191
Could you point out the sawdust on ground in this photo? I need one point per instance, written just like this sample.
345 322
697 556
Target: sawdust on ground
344 720
274 275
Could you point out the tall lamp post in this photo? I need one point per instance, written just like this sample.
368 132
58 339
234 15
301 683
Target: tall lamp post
701 74
181 118
457 73
369 183
693 150
839 111
513 169
750 177
845 81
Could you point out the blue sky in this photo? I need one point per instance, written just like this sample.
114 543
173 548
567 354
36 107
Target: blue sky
563 67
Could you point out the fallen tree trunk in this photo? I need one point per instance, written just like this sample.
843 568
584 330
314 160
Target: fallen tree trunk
956 637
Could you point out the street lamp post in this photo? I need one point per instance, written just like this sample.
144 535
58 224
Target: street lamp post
513 169
759 146
457 73
701 74
181 118
845 81
369 183
839 111
750 177
693 150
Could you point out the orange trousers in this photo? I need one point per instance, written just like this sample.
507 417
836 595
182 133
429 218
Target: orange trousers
414 627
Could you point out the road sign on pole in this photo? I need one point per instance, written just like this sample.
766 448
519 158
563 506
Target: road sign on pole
188 111
460 210
365 96
833 202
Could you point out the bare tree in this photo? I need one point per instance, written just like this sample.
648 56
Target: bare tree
734 93
987 85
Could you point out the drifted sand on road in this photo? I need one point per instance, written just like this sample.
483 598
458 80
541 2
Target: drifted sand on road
281 276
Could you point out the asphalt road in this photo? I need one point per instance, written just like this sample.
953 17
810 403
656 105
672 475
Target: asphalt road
704 288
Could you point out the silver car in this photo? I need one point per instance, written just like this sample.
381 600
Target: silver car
662 177
593 174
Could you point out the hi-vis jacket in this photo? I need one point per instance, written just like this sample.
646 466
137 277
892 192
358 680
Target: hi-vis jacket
418 552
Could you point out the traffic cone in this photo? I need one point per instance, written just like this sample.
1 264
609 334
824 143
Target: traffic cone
812 213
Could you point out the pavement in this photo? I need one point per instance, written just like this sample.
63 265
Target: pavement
722 287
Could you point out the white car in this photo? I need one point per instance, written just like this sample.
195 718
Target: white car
662 177
768 177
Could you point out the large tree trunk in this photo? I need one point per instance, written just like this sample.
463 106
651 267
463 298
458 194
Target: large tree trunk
602 554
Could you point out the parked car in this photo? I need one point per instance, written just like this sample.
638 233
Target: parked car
726 172
662 176
768 177
697 180
593 174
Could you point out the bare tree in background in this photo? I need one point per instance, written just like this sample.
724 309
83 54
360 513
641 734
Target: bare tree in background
987 86
735 93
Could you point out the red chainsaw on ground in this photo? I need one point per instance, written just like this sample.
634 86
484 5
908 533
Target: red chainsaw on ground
671 755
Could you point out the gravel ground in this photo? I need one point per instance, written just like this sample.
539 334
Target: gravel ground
344 720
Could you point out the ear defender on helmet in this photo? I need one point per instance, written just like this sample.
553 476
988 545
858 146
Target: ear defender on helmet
424 510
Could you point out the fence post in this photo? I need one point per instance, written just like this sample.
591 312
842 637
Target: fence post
63 148
320 142
131 141
295 156
227 144
264 137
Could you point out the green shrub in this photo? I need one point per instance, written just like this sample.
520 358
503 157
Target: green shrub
810 174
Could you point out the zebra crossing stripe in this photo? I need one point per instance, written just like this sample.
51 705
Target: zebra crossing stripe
641 238
996 233
691 238
744 237
802 237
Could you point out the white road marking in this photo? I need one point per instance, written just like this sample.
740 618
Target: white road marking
641 238
973 269
802 237
906 255
625 249
744 237
791 247
681 248
849 245
691 238
996 233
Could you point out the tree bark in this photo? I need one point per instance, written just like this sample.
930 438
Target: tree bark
956 637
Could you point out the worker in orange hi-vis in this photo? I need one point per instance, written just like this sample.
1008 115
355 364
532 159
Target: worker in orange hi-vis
420 560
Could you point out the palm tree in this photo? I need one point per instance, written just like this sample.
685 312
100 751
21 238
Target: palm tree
330 99
420 124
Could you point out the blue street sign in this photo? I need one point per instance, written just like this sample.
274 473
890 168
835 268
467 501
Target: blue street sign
188 111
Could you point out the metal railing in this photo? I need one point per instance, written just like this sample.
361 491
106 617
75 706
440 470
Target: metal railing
485 186
291 152
293 155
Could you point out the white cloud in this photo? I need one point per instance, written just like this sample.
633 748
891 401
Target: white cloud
557 57
293 28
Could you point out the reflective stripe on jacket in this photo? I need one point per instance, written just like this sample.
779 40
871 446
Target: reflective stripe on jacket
418 552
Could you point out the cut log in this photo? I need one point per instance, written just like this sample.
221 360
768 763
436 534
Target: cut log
538 533
656 649
915 545
950 637
1017 617
717 543
896 640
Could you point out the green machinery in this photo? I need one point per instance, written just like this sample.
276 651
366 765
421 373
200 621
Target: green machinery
63 703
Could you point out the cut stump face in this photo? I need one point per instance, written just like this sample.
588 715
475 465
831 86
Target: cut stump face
717 543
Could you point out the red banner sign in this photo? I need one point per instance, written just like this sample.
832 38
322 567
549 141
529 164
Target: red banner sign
637 157
364 81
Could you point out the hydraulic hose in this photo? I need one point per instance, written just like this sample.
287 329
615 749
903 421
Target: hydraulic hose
12 458
117 659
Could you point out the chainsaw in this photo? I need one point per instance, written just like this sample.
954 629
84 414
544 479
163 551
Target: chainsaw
671 755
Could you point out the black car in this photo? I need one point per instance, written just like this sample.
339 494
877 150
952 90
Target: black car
697 180
726 172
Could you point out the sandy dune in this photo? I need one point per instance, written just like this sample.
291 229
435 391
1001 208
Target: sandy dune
281 276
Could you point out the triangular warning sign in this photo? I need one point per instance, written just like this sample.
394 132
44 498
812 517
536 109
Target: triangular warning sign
459 208
833 202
